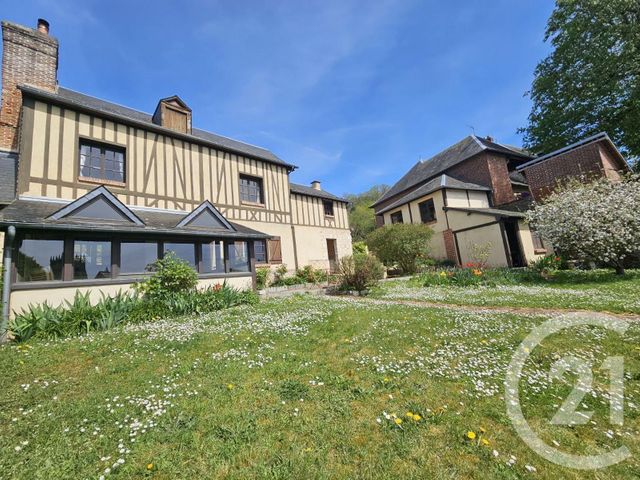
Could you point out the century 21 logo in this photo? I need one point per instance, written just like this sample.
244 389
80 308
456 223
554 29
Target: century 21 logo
568 413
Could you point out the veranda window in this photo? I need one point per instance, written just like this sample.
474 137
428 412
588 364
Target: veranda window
39 259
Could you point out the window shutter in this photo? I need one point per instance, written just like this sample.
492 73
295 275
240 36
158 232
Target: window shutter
275 250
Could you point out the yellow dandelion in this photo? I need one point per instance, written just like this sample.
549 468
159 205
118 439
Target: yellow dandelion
230 386
409 414
417 418
398 421
149 466
385 379
485 442
471 435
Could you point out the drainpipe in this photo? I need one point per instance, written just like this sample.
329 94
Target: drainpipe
6 281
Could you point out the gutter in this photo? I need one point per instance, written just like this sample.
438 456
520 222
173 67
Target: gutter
580 143
6 281
141 230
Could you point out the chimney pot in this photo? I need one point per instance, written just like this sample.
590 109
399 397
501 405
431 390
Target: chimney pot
316 185
43 26
489 138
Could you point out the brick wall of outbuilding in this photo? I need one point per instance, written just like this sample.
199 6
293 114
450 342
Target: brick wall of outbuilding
490 170
583 162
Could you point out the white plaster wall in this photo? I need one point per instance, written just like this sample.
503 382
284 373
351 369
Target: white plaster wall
21 299
478 199
405 215
527 243
457 198
278 230
311 242
480 236
312 245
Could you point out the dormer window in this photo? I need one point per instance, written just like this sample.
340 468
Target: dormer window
174 114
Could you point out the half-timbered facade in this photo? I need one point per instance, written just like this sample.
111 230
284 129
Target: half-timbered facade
137 177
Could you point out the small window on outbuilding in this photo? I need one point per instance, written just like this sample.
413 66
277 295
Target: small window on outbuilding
427 211
396 217
538 245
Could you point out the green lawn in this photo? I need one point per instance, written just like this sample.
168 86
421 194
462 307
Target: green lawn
298 388
599 290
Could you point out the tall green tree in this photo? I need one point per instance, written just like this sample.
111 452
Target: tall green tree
591 80
361 217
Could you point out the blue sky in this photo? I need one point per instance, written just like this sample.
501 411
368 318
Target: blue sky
353 92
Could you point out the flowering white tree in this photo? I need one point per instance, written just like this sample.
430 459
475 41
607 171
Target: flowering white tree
597 221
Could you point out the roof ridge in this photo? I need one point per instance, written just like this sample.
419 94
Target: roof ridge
151 115
235 140
478 141
97 98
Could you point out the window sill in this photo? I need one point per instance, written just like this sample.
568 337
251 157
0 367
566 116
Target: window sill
99 181
252 204
430 222
329 217
539 251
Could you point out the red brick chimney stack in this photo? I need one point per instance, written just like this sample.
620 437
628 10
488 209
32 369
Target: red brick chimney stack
29 57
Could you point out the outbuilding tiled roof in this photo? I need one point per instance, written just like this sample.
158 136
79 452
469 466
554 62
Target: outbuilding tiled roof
455 154
95 105
438 183
598 137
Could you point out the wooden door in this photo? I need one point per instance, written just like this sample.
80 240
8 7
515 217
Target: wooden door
332 251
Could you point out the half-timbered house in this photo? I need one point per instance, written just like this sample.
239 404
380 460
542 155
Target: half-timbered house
93 192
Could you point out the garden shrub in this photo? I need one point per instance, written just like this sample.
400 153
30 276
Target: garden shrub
171 275
262 277
360 272
308 274
592 222
547 265
359 248
404 245
279 274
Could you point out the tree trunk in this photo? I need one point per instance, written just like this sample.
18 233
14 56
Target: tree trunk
619 269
